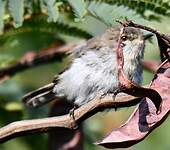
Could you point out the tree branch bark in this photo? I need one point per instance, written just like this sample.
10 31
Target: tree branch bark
32 59
25 127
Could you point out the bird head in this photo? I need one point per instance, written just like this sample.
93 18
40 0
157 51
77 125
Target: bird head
133 42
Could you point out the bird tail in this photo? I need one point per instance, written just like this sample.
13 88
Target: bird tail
40 96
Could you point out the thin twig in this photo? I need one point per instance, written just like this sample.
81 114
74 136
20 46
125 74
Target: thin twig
130 23
163 40
151 65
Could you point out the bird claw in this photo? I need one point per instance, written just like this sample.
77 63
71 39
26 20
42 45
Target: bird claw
103 95
113 95
71 114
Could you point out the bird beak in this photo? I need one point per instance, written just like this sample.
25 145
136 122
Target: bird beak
148 36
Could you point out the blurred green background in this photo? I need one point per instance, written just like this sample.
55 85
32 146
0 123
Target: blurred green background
14 43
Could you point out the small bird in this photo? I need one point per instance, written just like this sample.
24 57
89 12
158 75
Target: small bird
94 68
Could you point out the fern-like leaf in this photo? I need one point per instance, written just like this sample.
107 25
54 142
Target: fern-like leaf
101 9
161 7
109 13
39 24
2 10
16 8
79 7
53 10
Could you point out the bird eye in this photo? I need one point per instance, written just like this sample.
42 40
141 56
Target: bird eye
124 38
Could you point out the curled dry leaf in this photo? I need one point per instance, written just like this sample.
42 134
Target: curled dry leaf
128 86
164 45
144 119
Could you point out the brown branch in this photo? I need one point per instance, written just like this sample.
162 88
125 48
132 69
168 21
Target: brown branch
25 127
32 59
151 65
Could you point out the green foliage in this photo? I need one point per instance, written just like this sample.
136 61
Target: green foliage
39 24
79 8
161 7
53 11
2 8
5 60
109 13
103 10
16 8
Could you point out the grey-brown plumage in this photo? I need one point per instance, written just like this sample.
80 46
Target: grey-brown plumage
94 68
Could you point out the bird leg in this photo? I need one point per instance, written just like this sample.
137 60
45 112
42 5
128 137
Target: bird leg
110 94
71 114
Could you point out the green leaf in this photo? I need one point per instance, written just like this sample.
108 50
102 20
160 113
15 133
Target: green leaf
43 6
159 7
5 60
79 7
102 11
109 13
53 12
28 7
13 106
2 10
39 24
16 8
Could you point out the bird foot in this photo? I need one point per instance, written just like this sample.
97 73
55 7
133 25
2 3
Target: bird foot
113 95
103 95
71 114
